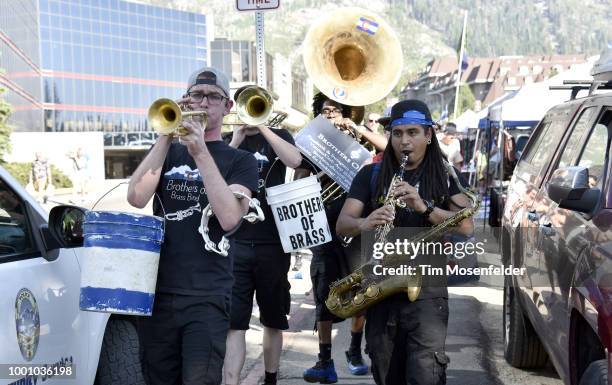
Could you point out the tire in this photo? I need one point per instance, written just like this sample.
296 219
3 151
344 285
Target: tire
119 362
522 346
595 374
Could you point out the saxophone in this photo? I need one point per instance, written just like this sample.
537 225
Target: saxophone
390 200
361 289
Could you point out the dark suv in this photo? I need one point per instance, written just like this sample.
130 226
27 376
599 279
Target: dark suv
557 224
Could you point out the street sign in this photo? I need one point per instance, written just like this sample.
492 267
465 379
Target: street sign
257 5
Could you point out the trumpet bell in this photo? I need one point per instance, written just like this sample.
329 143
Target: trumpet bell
353 56
165 117
254 105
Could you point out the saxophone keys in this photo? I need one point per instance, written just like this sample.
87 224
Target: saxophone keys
413 293
359 299
372 291
332 302
413 289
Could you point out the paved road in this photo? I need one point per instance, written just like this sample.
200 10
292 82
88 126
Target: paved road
474 342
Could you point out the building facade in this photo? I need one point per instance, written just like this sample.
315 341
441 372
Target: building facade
237 59
20 61
487 78
97 65
104 62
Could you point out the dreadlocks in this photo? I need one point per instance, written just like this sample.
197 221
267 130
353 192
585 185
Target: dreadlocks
431 173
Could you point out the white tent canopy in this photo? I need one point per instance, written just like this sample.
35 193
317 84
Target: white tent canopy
489 112
467 120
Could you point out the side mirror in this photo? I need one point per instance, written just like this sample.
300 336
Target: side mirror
66 225
569 187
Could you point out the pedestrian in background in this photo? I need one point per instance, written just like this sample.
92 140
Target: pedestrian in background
40 176
80 168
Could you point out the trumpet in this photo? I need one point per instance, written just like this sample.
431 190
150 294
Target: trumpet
165 117
254 105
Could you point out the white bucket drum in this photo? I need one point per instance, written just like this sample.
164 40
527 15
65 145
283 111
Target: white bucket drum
299 214
121 257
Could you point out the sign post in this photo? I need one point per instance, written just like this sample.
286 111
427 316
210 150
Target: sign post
259 6
259 49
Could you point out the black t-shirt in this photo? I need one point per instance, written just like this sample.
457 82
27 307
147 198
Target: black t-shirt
362 189
362 185
266 231
185 267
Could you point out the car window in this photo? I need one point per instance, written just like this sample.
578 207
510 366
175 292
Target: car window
15 237
521 141
543 150
538 134
572 143
594 153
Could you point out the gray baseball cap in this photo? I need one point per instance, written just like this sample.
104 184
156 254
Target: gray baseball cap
212 76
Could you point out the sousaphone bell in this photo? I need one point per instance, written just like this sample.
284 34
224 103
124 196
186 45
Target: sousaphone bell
353 56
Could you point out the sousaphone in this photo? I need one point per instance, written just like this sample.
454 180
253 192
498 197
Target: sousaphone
353 56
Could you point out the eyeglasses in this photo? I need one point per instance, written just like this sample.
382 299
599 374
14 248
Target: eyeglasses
213 98
327 111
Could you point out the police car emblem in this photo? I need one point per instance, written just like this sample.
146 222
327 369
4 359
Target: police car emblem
27 322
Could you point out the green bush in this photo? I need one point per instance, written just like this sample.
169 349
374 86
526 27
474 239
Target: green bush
21 172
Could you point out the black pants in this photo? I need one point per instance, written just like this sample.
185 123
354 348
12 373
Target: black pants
405 341
325 268
184 341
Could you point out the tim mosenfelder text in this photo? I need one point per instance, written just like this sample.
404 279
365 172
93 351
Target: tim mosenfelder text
430 270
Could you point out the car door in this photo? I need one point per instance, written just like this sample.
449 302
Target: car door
530 171
40 321
565 235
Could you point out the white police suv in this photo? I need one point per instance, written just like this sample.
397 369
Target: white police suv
44 337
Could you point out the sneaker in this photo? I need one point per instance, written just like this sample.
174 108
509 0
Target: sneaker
323 372
355 363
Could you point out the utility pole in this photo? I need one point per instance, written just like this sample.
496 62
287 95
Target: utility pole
461 50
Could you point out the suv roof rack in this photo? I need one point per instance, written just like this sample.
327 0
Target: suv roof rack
602 77
579 85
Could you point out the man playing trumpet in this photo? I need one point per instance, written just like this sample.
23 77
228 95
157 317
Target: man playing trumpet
184 340
260 264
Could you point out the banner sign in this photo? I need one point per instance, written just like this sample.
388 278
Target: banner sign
339 155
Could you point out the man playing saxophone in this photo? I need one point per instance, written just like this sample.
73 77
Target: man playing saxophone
407 339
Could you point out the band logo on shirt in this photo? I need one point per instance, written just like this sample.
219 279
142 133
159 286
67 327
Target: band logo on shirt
184 185
262 161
